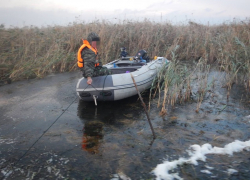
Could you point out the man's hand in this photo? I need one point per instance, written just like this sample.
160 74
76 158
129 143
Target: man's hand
89 80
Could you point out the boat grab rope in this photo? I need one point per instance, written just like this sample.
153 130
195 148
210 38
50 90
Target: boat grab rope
96 88
44 132
148 69
94 96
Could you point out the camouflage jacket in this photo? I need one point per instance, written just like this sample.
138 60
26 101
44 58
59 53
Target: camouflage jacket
89 58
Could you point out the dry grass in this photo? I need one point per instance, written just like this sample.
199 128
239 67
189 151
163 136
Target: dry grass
32 52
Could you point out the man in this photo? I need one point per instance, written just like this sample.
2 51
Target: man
87 61
142 56
124 53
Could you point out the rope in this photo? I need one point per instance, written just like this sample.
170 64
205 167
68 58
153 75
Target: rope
38 138
102 86
47 130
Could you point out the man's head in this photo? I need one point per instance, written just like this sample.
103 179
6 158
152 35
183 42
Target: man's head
94 40
123 49
93 37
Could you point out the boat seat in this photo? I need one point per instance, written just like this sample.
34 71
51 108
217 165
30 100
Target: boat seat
121 70
129 63
126 58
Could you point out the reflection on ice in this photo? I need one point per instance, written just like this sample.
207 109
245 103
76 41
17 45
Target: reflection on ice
91 136
111 114
120 175
231 171
206 171
7 141
6 172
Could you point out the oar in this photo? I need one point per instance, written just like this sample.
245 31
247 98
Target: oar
145 108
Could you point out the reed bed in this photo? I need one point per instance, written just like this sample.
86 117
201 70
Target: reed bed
32 52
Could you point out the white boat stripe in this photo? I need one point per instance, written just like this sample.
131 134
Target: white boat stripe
118 87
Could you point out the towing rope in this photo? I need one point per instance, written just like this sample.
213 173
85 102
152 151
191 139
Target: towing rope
94 96
46 132
38 139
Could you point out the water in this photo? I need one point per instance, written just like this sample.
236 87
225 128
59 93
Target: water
114 139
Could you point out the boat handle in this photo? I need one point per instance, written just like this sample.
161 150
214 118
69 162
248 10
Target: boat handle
95 97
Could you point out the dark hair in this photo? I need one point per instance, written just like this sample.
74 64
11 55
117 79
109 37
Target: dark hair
93 37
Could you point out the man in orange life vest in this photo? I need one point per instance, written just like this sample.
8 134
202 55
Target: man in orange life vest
87 62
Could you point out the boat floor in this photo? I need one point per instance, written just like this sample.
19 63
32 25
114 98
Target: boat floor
126 66
121 70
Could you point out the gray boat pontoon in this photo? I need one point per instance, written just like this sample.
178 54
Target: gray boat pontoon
119 84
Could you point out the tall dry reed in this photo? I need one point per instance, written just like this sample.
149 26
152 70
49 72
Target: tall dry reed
31 52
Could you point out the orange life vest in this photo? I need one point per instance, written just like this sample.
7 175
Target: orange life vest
80 62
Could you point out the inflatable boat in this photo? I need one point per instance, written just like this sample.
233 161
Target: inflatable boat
119 84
